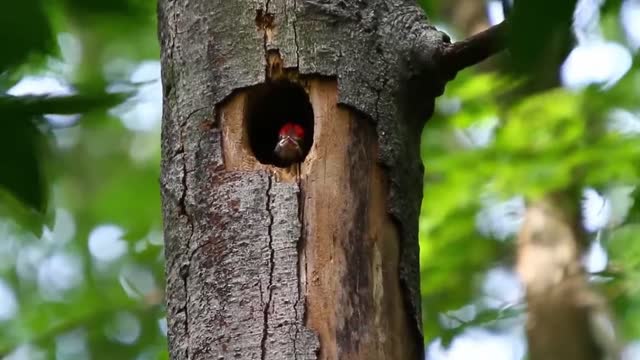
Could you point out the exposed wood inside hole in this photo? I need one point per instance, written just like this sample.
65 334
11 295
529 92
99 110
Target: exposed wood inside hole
351 249
252 118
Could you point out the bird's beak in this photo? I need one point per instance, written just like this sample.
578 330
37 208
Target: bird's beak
288 140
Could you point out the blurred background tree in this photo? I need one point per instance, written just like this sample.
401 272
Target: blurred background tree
490 147
81 249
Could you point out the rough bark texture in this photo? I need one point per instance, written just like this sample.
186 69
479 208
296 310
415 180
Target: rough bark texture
239 235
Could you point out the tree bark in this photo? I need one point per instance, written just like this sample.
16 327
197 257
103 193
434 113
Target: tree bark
314 261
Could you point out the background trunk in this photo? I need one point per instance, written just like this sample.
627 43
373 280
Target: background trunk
315 261
566 319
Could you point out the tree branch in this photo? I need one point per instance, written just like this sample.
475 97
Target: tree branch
475 49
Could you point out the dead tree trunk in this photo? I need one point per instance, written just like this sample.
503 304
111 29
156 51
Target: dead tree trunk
317 260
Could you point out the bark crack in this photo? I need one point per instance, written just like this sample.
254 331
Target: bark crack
378 92
185 268
265 328
264 21
184 274
172 48
182 204
295 32
377 104
266 36
300 248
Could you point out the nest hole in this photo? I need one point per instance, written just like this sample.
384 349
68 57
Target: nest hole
269 107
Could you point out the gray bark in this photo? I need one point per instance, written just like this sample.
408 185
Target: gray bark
234 284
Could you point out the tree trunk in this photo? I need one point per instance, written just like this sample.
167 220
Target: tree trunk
320 259
566 318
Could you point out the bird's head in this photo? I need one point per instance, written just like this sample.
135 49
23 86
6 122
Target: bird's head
290 140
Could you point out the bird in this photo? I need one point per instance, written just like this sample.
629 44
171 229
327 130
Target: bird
289 148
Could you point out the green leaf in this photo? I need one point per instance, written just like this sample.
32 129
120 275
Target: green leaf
548 121
21 166
540 34
25 32
624 247
32 105
25 217
483 318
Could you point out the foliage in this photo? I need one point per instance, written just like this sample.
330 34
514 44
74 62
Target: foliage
486 151
81 255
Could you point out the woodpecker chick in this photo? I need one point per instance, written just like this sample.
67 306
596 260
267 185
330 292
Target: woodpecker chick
289 147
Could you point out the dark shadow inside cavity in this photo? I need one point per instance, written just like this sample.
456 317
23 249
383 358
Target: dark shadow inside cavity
269 107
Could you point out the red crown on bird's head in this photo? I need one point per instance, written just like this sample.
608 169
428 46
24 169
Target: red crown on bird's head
292 129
